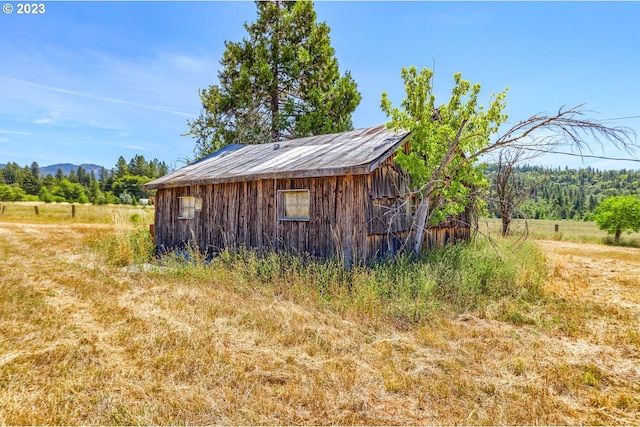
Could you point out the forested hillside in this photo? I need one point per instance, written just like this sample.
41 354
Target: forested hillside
550 193
568 193
122 184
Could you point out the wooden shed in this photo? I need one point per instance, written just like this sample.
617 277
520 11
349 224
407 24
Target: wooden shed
338 194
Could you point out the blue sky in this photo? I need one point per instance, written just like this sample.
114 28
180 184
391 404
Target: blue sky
86 82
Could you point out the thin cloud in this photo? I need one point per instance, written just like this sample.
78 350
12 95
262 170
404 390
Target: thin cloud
96 97
134 147
51 118
13 132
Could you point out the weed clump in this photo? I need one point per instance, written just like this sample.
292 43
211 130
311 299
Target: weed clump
131 243
458 278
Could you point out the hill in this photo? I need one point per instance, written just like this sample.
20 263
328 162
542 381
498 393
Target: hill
68 167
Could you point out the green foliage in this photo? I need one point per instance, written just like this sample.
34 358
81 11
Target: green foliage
121 169
282 81
563 193
11 193
45 195
12 174
70 192
28 184
619 214
126 198
445 141
131 185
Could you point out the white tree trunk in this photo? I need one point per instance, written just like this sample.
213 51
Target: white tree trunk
420 222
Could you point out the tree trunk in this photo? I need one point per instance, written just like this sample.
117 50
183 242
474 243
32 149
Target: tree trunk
420 222
506 222
617 235
275 98
275 134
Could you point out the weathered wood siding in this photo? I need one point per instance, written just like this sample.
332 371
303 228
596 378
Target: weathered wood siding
455 229
388 209
245 214
357 217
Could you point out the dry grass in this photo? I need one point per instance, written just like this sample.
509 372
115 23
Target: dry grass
571 231
48 213
85 341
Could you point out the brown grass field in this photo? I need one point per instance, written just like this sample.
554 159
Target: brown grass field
84 340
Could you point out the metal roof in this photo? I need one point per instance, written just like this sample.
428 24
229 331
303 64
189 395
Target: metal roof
349 153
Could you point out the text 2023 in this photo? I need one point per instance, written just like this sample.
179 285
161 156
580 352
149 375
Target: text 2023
30 8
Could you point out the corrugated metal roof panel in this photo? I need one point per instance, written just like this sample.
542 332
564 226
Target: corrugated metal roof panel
353 152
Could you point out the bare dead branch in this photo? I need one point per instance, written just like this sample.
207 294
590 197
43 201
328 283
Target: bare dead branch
566 128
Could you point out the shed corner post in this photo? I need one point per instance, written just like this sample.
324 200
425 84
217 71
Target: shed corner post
276 228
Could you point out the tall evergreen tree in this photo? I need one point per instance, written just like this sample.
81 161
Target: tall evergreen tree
30 184
12 173
83 177
138 166
121 169
59 175
104 177
152 168
282 81
162 169
35 170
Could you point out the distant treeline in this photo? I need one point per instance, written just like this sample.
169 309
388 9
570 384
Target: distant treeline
120 185
556 193
551 193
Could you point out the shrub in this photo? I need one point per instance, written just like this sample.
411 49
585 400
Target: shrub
11 193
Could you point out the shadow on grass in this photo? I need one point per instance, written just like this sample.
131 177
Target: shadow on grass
625 243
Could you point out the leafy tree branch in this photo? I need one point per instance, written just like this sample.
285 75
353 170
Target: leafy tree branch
447 141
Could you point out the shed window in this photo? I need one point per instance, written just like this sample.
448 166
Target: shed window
293 205
187 207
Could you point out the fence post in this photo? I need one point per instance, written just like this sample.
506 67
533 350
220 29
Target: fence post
556 228
73 211
35 208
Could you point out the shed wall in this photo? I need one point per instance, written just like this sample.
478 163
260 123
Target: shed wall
245 214
352 216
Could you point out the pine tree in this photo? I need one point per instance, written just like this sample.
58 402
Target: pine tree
162 169
121 169
30 184
138 166
280 82
12 173
35 170
59 175
104 177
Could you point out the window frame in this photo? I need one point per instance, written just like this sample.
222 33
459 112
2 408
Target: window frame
282 204
189 210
